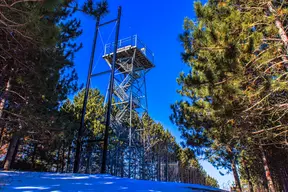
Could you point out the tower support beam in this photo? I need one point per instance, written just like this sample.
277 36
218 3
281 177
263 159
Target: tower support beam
81 128
89 76
111 85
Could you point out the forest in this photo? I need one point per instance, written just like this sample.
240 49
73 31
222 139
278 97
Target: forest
40 124
233 111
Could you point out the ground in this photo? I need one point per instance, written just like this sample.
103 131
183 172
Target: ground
56 182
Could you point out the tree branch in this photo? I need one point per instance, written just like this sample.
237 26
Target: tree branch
22 1
270 129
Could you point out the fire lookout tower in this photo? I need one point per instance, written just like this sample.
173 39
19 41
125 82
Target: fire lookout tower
133 61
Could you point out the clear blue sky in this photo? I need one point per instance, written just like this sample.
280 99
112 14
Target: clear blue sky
158 24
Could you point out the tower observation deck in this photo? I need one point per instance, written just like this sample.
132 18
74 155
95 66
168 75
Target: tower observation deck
128 48
133 61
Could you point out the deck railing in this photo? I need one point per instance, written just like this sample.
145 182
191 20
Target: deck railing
132 41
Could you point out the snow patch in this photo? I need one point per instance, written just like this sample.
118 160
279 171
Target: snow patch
55 182
32 187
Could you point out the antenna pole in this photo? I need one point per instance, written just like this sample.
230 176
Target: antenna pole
81 128
111 84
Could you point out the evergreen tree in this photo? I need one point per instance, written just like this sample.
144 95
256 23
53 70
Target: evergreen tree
39 73
237 78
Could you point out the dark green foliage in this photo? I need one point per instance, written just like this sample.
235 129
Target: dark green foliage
234 91
38 67
98 10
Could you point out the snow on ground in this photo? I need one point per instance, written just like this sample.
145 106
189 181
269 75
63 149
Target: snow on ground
56 182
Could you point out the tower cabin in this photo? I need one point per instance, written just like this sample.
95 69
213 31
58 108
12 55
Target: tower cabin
132 55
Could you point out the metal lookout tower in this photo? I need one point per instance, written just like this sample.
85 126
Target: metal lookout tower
133 61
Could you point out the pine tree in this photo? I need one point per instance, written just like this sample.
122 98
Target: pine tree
237 79
39 72
213 86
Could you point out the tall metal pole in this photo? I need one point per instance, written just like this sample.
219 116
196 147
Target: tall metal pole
109 107
80 130
130 121
130 131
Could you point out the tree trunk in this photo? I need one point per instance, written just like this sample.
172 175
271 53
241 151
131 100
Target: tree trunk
33 156
143 165
281 32
267 171
154 166
68 159
10 152
4 96
110 158
2 105
285 177
279 25
122 164
236 176
114 165
1 135
58 159
116 162
250 185
15 153
158 168
135 170
88 162
166 167
63 159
